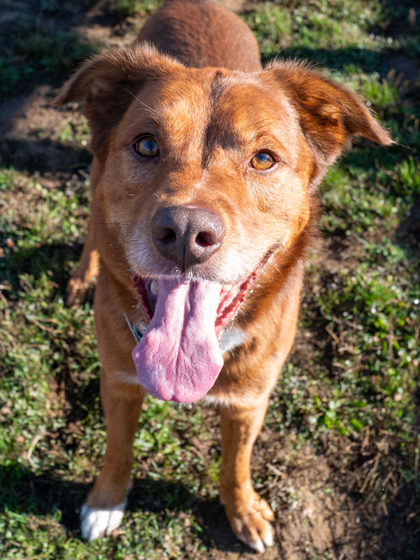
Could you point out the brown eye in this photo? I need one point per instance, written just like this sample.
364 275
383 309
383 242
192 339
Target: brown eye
147 147
262 161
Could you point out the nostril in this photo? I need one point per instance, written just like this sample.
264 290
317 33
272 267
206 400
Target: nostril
187 235
205 239
167 235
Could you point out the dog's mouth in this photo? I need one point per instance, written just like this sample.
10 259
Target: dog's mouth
178 357
230 298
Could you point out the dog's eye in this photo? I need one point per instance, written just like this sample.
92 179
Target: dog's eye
147 146
262 161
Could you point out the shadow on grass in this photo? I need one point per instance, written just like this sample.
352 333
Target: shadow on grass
408 232
23 492
335 59
400 525
34 261
394 535
42 156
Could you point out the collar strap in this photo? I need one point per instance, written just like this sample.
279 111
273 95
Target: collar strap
138 335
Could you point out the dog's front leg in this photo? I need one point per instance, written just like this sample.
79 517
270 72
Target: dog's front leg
249 515
104 509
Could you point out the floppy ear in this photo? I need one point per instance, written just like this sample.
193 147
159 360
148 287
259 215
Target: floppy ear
329 113
109 82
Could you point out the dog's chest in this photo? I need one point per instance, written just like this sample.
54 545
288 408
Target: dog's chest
231 339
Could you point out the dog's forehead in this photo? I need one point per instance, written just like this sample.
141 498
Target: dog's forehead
172 106
191 105
248 110
177 100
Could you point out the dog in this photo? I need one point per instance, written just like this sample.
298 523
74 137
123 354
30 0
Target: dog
203 209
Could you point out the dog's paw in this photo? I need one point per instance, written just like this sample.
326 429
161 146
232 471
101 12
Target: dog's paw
251 523
98 523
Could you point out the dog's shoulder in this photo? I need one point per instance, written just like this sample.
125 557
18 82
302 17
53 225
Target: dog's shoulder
201 33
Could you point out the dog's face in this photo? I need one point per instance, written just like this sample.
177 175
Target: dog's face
245 147
205 174
217 141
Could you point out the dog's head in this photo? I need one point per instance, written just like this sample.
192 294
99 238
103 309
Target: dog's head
205 175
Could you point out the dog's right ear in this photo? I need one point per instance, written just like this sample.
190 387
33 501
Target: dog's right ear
109 83
329 114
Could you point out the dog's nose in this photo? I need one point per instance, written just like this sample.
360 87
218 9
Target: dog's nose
187 236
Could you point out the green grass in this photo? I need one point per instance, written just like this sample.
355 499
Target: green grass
33 52
356 367
138 7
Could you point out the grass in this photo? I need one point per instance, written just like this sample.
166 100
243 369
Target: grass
33 51
351 383
138 7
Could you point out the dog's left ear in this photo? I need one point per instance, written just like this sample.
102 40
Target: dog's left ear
109 82
329 113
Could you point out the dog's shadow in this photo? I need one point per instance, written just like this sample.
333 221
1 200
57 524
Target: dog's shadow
23 492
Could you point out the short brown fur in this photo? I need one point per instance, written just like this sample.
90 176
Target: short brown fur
214 107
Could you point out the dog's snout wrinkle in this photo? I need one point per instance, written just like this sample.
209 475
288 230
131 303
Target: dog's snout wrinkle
187 236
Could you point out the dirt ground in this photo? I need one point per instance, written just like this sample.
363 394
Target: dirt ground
323 509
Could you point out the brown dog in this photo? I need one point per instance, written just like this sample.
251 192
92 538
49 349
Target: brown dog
203 180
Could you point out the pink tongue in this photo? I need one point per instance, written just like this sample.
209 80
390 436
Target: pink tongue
179 359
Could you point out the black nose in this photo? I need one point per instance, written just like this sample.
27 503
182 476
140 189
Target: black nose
187 236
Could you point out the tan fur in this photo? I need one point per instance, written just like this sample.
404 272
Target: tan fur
87 270
210 121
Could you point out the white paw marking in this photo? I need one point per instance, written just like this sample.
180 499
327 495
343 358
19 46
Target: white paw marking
98 523
267 539
256 545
